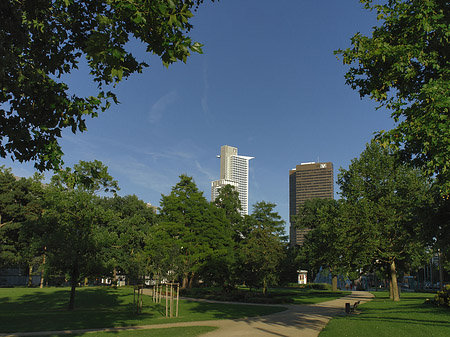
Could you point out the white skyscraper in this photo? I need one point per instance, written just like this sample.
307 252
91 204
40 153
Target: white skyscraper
233 171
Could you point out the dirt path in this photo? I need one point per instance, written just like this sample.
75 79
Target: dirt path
297 320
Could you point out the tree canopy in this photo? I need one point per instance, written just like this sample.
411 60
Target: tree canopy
73 218
193 227
327 244
43 40
263 247
20 208
405 66
387 196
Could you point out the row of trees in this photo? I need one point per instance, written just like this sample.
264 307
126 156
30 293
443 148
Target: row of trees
79 227
391 216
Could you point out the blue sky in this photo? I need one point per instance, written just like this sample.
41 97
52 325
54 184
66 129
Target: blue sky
268 83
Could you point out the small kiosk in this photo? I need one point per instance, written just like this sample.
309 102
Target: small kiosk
302 276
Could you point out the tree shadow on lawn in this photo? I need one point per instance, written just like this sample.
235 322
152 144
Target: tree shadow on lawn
404 320
37 310
407 311
226 310
312 296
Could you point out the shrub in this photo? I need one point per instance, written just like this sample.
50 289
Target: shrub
316 286
442 298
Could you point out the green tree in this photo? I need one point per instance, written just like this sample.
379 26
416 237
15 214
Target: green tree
405 67
44 40
263 248
228 271
228 200
126 235
389 195
192 229
72 219
20 208
326 244
436 218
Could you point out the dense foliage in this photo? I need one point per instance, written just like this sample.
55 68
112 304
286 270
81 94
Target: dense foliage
405 66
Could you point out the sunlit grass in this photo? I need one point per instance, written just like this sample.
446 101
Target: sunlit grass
383 317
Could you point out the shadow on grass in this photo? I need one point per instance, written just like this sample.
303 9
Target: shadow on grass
402 318
46 309
226 310
411 310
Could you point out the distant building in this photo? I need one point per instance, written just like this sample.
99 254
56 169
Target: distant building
154 208
216 185
308 181
234 170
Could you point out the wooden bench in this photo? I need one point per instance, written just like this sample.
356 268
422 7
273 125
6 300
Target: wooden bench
351 308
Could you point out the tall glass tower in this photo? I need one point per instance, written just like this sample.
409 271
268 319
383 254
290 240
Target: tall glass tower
234 170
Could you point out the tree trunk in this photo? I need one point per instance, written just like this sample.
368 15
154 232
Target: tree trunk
30 276
334 282
41 285
74 279
441 272
264 289
191 281
185 282
394 285
114 280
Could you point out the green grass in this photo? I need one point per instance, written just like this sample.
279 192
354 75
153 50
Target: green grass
189 331
309 296
383 317
25 309
292 295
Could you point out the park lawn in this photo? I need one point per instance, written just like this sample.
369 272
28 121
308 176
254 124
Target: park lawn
31 309
309 296
187 331
383 317
275 295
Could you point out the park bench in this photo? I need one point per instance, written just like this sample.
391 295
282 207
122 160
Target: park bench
351 308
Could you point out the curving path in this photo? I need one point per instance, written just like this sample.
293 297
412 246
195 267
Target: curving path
297 320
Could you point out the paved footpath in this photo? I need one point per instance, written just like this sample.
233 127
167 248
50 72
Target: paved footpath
297 320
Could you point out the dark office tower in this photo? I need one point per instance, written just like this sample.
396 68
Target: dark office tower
308 181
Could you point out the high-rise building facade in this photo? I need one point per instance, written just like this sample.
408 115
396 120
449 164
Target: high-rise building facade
308 181
234 170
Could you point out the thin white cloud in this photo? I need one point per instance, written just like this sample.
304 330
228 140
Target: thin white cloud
206 172
143 175
160 107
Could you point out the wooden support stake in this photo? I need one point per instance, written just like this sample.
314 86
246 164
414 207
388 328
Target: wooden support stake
167 302
142 299
171 300
178 297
